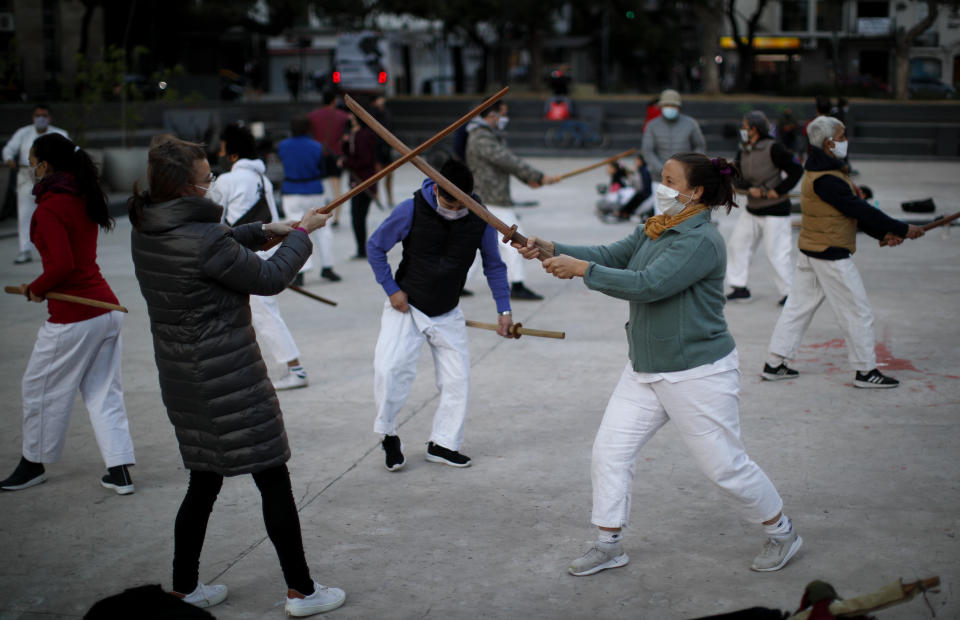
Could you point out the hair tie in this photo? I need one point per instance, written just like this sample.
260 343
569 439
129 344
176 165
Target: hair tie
724 170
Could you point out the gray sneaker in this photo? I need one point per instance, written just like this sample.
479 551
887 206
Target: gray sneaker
600 557
777 551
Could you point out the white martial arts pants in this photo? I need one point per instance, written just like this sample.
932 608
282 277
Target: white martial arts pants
837 281
295 206
746 235
271 329
67 357
26 205
402 335
706 413
509 255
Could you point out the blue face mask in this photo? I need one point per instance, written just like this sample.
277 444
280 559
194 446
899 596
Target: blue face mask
670 113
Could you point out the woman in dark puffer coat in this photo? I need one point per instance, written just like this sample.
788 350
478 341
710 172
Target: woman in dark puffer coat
196 275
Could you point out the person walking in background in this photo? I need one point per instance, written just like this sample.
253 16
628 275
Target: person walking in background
769 172
196 275
384 156
492 164
671 271
16 154
79 346
246 195
788 131
642 200
303 172
360 161
328 124
832 214
671 132
440 238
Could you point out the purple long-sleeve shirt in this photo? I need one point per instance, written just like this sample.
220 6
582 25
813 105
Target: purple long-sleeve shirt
395 229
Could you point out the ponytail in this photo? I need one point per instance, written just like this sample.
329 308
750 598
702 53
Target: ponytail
715 176
62 155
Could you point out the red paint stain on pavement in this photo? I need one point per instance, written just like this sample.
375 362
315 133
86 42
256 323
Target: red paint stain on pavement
889 362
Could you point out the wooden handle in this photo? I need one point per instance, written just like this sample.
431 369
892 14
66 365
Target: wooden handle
567 175
517 330
304 291
409 155
940 221
442 181
96 303
922 585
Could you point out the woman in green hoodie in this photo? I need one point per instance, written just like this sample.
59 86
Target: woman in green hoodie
683 361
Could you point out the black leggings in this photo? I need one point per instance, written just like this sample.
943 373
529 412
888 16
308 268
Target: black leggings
279 515
359 206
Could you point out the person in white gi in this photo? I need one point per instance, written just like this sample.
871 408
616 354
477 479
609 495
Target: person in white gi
440 238
78 348
15 155
769 172
246 195
683 364
833 212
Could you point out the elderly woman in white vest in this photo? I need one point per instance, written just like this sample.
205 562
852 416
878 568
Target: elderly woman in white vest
769 171
832 214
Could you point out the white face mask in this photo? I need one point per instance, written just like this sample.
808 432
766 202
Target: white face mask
41 122
451 214
745 136
670 113
668 200
840 149
502 122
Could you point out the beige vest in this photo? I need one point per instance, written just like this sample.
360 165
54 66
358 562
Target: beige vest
822 225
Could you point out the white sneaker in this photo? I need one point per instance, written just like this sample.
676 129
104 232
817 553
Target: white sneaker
323 599
291 381
599 557
777 551
204 596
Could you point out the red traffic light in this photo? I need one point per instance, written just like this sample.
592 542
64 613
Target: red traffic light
336 77
382 77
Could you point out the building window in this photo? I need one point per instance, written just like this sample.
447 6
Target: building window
793 15
829 16
926 67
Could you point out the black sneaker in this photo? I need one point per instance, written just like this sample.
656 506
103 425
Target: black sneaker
740 293
329 274
297 280
439 454
874 379
783 301
519 291
26 475
780 372
393 448
118 479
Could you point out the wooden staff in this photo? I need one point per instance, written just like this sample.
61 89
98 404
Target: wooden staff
517 330
96 303
408 155
304 291
606 161
940 221
510 233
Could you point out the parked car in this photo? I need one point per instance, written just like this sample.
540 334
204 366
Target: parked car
927 86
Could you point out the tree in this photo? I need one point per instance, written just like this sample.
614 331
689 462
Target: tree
710 14
744 44
904 41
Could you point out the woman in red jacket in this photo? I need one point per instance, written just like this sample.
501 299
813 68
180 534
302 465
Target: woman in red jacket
78 347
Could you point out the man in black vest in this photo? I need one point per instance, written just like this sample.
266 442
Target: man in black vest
440 238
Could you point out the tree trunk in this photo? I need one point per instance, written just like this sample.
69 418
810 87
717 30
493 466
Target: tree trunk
712 20
904 43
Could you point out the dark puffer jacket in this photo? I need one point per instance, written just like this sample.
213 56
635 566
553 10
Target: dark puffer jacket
196 275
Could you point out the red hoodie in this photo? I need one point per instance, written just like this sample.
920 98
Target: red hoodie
66 238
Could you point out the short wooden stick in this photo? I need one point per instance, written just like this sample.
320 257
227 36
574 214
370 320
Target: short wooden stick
304 291
567 175
518 330
95 303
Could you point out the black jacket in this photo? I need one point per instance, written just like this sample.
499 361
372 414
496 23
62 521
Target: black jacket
196 276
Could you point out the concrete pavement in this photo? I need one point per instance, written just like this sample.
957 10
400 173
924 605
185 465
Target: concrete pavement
869 477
